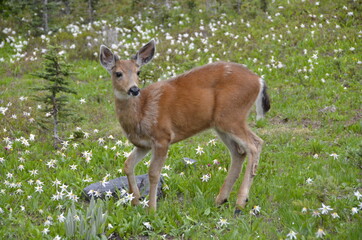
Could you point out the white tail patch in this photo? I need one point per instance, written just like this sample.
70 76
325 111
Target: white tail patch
259 101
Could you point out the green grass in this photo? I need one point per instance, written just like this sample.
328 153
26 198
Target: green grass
313 144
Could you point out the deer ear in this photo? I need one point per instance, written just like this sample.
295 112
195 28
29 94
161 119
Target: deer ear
107 58
145 54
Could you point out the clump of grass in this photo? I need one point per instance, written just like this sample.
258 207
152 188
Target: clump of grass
86 226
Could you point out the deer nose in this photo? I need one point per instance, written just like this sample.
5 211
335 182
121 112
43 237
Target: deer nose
134 91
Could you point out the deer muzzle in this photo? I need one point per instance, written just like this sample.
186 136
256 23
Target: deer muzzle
134 91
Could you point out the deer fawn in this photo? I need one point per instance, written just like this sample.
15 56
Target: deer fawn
217 95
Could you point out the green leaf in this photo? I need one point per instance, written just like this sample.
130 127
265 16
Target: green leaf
207 212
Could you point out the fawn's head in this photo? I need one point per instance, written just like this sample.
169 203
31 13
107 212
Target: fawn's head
124 73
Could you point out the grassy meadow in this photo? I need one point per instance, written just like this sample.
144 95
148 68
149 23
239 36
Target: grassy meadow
309 181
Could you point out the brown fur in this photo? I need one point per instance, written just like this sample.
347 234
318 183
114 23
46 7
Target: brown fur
218 95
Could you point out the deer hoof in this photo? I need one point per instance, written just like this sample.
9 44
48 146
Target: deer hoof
221 202
238 212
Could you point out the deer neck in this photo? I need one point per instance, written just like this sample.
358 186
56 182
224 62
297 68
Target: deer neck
134 120
128 112
138 115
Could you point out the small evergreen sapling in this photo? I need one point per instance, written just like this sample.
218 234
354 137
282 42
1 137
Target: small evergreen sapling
56 73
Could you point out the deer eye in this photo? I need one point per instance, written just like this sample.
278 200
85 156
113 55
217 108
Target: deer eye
119 74
138 73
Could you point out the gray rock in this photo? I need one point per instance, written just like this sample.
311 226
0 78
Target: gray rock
116 185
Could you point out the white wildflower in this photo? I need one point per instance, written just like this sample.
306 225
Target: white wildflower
61 217
45 231
147 225
325 209
358 195
320 233
222 222
205 178
335 215
354 210
144 203
199 150
309 181
292 235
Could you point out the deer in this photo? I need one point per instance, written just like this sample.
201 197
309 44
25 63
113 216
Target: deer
217 95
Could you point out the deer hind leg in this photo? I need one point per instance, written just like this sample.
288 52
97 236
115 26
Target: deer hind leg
237 150
136 156
254 150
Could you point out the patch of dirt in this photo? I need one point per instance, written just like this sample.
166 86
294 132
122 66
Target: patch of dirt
284 129
310 123
278 120
354 119
283 125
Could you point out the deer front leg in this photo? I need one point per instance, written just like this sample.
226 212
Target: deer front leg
136 156
159 155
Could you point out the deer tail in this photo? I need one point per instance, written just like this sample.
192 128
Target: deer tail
263 101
